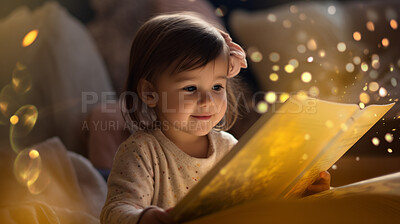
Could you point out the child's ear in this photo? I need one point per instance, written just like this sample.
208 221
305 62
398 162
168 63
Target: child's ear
147 93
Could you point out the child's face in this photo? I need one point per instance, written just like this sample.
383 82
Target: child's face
193 101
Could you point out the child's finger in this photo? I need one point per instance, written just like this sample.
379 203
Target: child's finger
318 188
325 178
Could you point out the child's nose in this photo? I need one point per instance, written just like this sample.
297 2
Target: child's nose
204 98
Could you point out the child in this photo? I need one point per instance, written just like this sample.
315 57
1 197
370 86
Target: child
180 96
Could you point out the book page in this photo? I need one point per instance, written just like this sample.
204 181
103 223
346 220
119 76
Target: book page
350 133
268 158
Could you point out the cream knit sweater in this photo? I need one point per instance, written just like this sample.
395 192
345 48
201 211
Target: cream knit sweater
150 170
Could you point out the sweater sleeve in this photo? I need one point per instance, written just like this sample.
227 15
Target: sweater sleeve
130 185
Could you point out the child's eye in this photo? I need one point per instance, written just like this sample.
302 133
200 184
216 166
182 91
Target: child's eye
217 87
190 88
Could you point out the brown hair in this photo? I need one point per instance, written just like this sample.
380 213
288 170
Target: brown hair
172 42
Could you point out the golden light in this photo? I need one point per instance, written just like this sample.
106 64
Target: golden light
382 92
270 97
389 137
364 98
301 49
304 156
274 57
275 68
332 10
334 167
30 38
357 60
364 66
389 150
312 45
375 141
361 105
357 36
262 107
283 97
393 24
14 119
273 77
349 67
373 86
271 17
289 68
306 77
26 169
385 42
321 53
33 154
287 24
370 26
256 56
329 124
344 127
357 158
341 47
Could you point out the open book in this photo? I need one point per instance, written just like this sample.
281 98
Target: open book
280 155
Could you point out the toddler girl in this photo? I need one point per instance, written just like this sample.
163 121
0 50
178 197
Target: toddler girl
180 97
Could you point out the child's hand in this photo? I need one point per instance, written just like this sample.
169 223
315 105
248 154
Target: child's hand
323 183
156 216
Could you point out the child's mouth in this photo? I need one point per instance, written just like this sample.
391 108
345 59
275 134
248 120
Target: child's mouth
202 117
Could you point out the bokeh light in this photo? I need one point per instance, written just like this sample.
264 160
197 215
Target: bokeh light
357 36
287 24
256 56
306 77
289 68
393 24
27 115
262 107
331 10
382 92
373 86
270 97
273 77
312 45
301 49
356 60
21 79
375 141
274 57
389 137
370 26
364 98
14 119
271 17
30 38
341 47
349 67
26 168
385 42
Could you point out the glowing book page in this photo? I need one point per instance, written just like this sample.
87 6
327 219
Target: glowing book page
270 156
350 133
